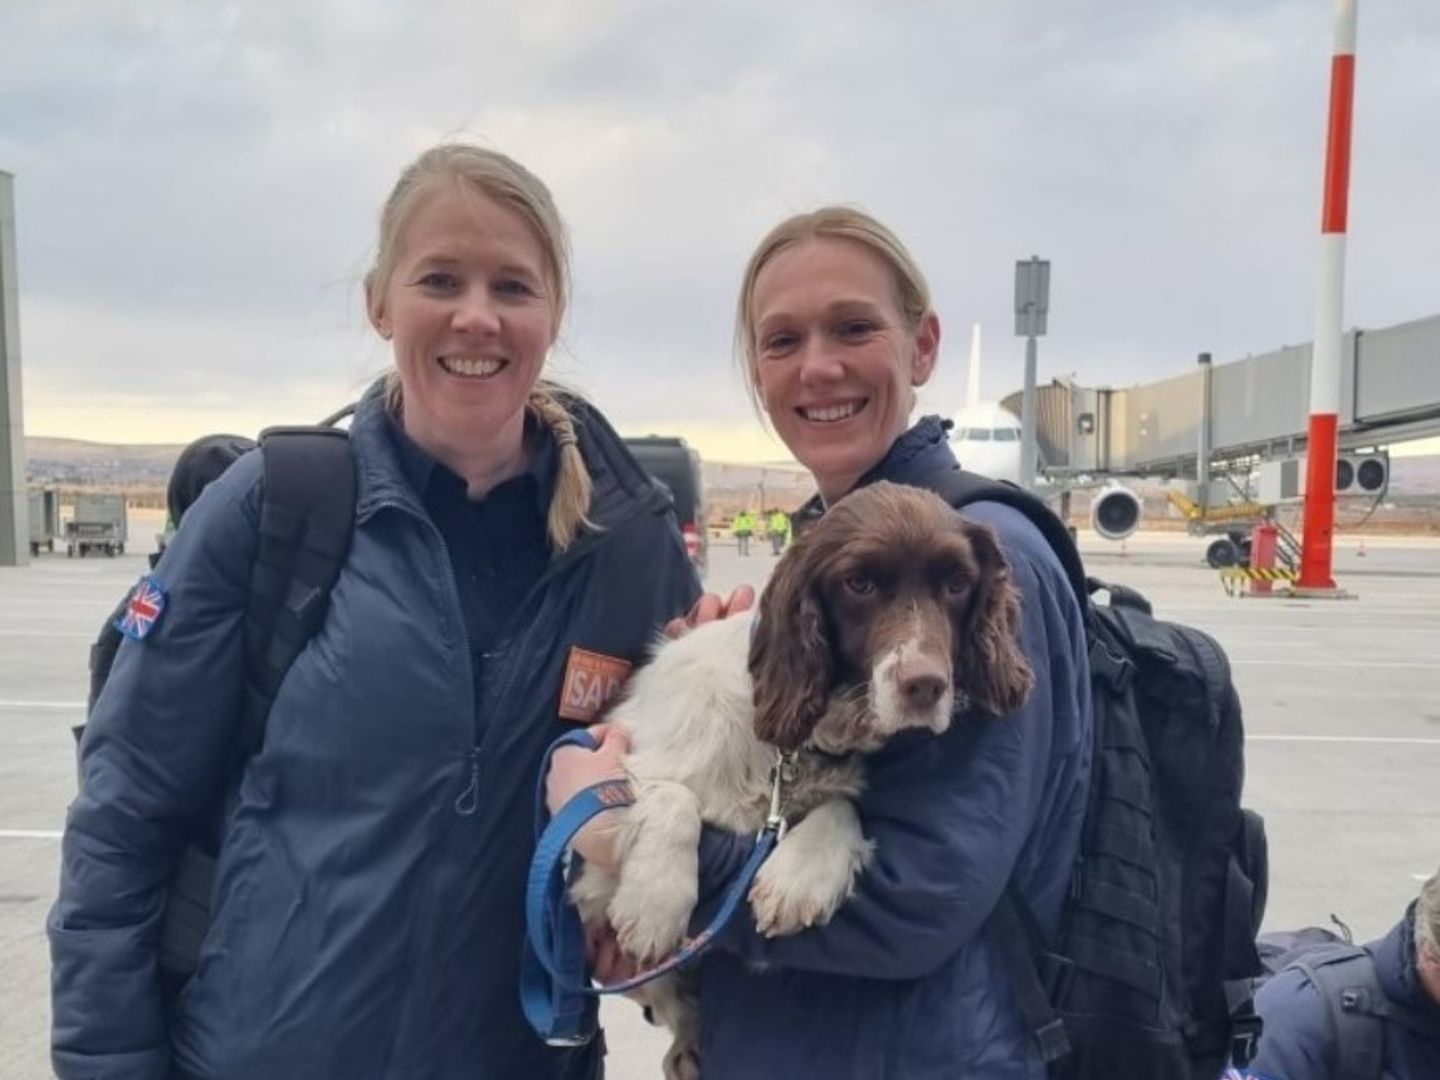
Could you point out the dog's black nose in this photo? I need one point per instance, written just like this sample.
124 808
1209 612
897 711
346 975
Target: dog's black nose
921 685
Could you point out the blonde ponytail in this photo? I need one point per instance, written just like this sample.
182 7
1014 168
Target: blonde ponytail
570 504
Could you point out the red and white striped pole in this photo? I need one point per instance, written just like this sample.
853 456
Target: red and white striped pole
1322 448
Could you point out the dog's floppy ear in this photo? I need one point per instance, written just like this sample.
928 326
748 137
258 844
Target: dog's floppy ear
790 657
992 666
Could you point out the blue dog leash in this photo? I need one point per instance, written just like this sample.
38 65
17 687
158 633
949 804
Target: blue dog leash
555 991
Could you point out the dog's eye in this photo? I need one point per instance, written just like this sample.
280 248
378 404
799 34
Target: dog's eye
859 584
957 586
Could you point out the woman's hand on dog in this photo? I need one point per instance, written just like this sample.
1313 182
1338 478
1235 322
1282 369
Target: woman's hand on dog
572 769
710 607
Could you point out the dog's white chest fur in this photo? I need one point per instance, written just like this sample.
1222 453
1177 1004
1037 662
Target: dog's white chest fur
689 717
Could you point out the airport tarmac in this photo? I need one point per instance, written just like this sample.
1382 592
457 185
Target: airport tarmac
1342 705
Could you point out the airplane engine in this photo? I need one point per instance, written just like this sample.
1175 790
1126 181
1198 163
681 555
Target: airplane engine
1115 512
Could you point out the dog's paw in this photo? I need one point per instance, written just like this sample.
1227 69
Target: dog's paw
809 874
651 912
682 1061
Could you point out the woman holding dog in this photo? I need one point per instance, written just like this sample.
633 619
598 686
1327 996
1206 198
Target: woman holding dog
836 331
509 561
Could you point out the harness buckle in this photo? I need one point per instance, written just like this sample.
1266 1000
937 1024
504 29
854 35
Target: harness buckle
1054 1041
783 772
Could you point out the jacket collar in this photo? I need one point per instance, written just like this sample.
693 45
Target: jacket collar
922 450
428 476
918 452
621 488
1395 960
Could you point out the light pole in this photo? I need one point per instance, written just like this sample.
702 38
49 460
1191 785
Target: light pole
1321 447
14 506
1032 306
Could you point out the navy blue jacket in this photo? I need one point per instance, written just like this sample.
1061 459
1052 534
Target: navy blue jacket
1298 1042
368 912
903 982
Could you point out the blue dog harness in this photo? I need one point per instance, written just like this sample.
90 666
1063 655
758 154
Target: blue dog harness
556 994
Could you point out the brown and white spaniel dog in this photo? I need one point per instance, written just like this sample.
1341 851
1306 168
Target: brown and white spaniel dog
892 613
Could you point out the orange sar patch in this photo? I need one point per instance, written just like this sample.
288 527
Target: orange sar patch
591 679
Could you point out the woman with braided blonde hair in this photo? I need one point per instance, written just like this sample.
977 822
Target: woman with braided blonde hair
509 562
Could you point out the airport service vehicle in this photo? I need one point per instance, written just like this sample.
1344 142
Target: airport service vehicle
99 524
672 462
44 519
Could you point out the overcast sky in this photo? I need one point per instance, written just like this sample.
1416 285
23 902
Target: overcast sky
197 183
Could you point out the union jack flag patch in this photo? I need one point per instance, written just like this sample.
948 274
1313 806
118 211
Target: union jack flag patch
143 609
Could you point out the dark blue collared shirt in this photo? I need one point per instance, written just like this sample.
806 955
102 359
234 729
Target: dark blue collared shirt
498 545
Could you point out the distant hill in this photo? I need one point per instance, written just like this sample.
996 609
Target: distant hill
41 447
76 463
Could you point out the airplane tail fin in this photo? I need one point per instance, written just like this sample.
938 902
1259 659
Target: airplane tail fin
972 385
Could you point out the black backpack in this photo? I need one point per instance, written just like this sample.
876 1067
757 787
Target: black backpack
1356 1005
1151 973
307 515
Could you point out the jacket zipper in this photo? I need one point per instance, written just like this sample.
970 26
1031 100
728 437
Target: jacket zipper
552 571
468 801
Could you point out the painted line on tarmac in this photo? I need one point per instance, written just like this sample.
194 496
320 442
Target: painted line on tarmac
47 633
47 603
30 834
1291 607
1368 740
1430 666
1245 632
69 705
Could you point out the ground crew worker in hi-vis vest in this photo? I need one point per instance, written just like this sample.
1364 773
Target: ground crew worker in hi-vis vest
743 527
779 529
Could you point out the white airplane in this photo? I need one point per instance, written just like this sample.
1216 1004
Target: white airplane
985 435
986 439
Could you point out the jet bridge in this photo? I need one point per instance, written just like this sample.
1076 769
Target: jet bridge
1243 411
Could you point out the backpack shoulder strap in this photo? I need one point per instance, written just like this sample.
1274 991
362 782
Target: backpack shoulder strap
307 516
1344 976
960 488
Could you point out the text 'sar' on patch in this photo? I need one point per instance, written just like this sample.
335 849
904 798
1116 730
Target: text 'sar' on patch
591 679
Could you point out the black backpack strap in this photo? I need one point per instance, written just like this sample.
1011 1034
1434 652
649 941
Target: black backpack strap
1017 939
1013 930
960 488
307 516
1345 978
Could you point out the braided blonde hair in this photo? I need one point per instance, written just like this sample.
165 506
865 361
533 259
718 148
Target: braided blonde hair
509 183
570 504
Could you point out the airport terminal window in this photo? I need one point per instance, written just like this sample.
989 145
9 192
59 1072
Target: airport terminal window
978 435
1006 434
